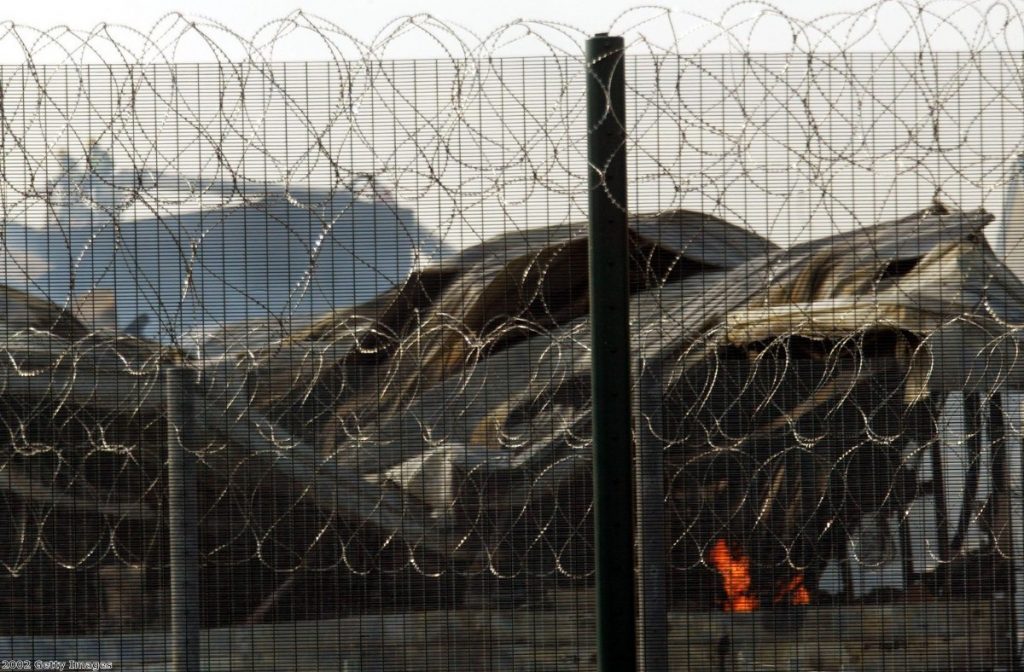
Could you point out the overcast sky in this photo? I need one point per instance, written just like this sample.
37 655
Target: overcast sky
978 100
367 21
328 29
362 18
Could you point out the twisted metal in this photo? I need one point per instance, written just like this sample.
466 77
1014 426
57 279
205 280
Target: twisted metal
379 269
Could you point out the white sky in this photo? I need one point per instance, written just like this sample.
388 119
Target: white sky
362 18
368 20
350 28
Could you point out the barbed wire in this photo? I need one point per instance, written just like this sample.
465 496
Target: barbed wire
378 267
743 27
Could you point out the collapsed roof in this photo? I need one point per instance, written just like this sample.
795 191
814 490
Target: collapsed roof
784 388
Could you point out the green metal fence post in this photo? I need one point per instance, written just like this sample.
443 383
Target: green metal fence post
610 377
182 512
651 552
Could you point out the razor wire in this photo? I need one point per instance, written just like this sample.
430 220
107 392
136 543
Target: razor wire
378 268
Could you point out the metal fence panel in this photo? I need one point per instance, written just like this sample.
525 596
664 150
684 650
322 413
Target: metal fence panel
297 359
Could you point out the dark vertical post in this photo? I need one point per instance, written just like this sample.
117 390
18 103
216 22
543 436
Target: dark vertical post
610 378
972 440
939 493
1001 487
906 551
183 516
1002 525
652 554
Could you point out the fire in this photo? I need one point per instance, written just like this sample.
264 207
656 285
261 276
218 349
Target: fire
735 571
794 592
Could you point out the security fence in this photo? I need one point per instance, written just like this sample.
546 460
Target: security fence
299 358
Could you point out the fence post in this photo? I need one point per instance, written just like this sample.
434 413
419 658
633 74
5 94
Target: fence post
1001 498
610 378
652 554
183 516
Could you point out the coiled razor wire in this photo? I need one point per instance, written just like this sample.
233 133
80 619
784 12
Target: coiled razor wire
378 267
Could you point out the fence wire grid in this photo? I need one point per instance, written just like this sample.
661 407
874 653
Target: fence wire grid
374 274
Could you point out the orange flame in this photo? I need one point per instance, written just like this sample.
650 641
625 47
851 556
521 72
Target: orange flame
735 571
794 592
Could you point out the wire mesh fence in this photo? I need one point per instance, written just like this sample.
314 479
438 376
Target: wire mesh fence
373 276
